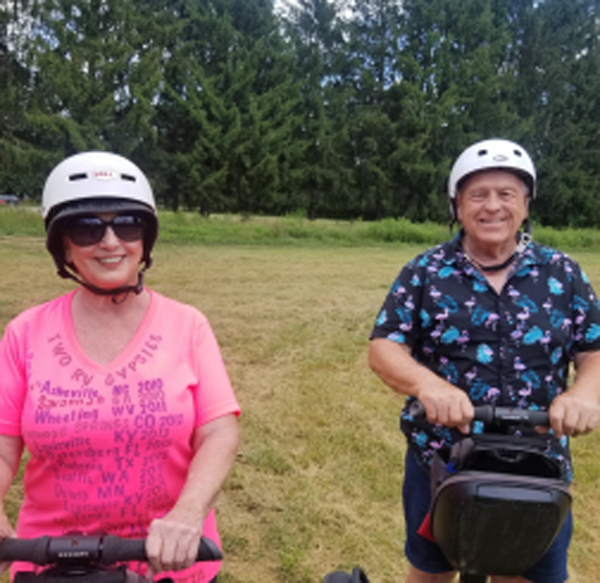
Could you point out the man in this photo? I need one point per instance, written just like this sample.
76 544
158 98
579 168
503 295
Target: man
488 317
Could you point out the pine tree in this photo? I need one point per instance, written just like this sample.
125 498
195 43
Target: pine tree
18 158
559 62
92 83
225 110
455 88
374 34
315 30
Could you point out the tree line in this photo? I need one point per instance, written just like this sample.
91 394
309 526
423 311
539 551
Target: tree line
349 109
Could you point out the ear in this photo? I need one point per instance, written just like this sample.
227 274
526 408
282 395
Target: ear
66 243
457 202
527 204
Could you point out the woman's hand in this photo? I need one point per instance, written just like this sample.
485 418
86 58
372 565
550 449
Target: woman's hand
171 545
173 540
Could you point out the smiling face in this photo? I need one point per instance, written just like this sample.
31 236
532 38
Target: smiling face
492 205
108 264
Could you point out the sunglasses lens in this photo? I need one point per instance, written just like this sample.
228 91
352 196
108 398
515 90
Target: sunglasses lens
128 227
86 231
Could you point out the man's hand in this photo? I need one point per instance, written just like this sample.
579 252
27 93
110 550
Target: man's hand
573 414
447 405
444 403
577 411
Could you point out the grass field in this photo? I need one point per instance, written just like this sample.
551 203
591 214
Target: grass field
317 482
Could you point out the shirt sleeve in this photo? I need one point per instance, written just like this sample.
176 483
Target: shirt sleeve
214 396
13 382
398 317
586 312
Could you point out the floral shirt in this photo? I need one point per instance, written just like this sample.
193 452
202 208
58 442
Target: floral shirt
509 349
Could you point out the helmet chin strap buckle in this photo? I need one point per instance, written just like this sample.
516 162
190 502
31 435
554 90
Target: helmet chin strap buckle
524 241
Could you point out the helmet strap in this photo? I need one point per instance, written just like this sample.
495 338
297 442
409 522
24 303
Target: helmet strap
495 267
119 294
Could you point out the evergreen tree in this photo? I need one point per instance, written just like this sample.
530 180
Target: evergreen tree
315 30
17 156
374 35
90 82
457 78
342 109
559 62
224 113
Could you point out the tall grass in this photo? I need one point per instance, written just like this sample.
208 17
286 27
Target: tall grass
317 482
295 230
21 221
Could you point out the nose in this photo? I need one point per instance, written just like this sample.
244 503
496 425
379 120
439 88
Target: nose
493 200
109 238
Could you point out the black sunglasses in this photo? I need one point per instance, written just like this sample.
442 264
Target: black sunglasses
86 231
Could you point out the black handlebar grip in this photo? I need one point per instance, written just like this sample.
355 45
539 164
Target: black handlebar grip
208 550
116 549
529 417
491 414
484 413
107 550
32 550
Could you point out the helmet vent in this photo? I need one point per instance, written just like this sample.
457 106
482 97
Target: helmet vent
482 152
517 153
80 176
128 177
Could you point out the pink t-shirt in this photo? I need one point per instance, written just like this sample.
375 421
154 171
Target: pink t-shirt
110 445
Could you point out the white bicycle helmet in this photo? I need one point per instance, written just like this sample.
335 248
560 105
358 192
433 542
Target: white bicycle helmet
93 182
494 154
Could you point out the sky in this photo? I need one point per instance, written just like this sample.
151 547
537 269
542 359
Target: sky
281 5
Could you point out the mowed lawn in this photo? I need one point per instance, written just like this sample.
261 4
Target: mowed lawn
317 482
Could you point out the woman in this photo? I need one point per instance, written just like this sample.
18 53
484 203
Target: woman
119 393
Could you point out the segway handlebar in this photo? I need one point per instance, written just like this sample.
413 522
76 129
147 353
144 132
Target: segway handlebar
85 549
490 414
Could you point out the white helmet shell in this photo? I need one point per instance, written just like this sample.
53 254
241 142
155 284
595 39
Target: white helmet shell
95 182
92 175
494 154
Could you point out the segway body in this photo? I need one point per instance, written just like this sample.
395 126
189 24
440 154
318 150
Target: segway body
498 503
497 524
